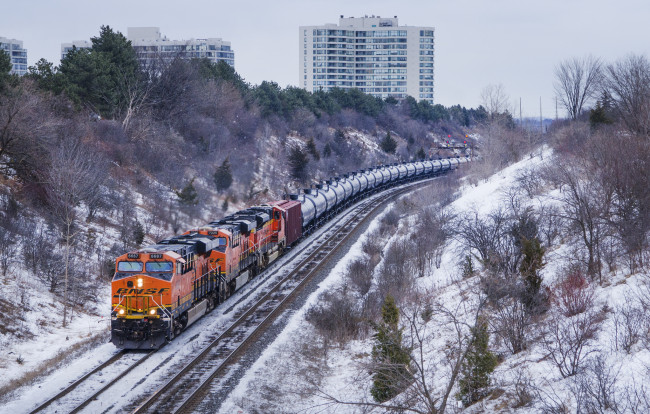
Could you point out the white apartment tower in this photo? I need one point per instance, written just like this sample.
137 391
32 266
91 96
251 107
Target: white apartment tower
373 54
14 48
149 45
75 44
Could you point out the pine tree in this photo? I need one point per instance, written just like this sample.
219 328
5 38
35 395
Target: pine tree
420 155
468 267
138 233
477 366
340 136
598 116
5 68
298 163
391 373
223 176
311 147
188 194
531 264
327 150
388 144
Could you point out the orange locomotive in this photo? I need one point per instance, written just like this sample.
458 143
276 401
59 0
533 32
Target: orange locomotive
161 289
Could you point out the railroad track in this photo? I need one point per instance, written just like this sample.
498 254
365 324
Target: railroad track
186 389
89 387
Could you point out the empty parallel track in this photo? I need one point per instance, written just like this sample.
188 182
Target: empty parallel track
65 399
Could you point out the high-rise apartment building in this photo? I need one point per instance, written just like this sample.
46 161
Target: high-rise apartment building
14 48
373 54
76 44
150 46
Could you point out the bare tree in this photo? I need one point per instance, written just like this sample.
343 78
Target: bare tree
8 248
25 123
567 340
495 100
488 237
73 174
599 387
584 202
629 324
576 82
628 83
512 323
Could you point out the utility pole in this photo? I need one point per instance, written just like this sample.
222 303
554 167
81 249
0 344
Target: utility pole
541 130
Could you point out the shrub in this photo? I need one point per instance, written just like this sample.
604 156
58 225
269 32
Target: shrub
335 316
360 274
574 295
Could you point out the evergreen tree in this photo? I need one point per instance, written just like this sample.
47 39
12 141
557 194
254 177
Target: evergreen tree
420 155
222 71
311 147
138 233
388 144
478 365
598 116
391 100
5 68
46 75
223 176
101 76
327 150
391 373
531 264
269 98
298 163
188 194
468 267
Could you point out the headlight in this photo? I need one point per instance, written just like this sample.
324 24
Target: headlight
152 312
139 282
121 312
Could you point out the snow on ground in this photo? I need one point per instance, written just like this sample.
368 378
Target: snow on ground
49 337
296 327
33 337
346 379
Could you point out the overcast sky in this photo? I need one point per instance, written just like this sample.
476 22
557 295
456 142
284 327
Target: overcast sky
478 42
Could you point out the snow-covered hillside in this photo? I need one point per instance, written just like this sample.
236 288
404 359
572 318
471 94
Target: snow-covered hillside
302 372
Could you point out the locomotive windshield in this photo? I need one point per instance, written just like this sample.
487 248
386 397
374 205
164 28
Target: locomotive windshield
129 266
157 267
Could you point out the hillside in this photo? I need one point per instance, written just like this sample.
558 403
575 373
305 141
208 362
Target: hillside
593 326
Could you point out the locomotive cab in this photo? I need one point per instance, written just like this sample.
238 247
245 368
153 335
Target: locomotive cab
142 298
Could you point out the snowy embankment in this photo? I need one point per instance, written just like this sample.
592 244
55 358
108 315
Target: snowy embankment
300 372
31 332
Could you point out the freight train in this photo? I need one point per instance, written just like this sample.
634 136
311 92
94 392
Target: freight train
159 290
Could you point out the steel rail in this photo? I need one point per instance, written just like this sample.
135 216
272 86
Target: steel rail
74 385
362 213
